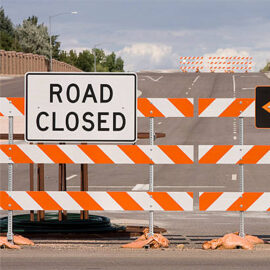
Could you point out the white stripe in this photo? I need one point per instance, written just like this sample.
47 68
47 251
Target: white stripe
234 154
218 106
24 200
35 153
156 154
203 149
8 109
4 158
249 111
145 201
139 114
191 100
188 150
261 204
265 159
116 154
183 199
75 154
224 201
64 200
166 107
105 201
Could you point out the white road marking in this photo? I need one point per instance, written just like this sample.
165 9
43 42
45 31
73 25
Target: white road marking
139 93
71 177
234 137
159 123
233 77
252 88
234 177
154 80
195 80
141 187
252 76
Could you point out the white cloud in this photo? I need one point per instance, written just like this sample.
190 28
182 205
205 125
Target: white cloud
147 56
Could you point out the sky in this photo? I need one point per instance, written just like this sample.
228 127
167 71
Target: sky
153 34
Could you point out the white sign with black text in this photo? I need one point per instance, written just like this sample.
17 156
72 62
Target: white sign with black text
81 107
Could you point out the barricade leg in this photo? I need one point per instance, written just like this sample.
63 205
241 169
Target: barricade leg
151 176
10 181
241 176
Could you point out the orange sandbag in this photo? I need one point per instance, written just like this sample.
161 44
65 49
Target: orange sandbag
232 241
20 240
155 241
5 244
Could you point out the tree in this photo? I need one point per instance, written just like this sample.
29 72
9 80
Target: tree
8 41
114 64
85 61
33 37
266 68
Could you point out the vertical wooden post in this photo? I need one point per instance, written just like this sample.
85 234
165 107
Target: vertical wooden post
84 186
31 174
64 185
40 178
60 180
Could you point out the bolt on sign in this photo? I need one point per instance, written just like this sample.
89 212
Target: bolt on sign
81 107
262 104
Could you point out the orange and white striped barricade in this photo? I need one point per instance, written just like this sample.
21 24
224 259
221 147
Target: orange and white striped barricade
147 107
106 154
11 106
97 154
226 107
234 154
234 201
96 200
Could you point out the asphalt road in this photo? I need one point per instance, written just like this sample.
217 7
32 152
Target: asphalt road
110 258
192 131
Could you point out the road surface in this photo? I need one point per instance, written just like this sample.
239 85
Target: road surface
191 131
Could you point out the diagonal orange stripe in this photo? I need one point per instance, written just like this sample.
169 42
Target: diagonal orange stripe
7 203
135 154
16 154
85 200
55 153
1 114
215 153
254 154
165 201
237 106
203 103
125 201
183 105
45 201
246 201
96 154
145 107
190 194
18 102
175 154
207 199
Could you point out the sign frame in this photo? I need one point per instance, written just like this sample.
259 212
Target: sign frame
26 84
257 107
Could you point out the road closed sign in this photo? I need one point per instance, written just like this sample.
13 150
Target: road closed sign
80 107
